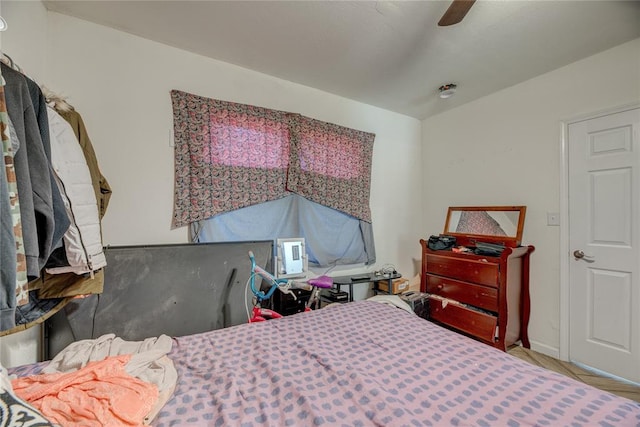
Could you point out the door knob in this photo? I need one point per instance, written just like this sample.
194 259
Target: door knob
578 254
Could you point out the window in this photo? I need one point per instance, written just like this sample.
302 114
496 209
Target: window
232 161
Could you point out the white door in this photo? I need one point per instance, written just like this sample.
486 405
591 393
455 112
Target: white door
604 241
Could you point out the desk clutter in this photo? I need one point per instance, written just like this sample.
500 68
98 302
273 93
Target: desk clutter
363 279
383 282
335 295
398 286
418 301
287 304
385 272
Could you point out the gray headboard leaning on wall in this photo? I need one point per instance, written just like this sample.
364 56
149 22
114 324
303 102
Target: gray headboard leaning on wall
149 290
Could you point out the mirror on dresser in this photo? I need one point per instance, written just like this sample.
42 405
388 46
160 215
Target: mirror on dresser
496 224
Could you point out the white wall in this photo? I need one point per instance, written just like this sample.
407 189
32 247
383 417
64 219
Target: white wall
120 84
26 35
504 149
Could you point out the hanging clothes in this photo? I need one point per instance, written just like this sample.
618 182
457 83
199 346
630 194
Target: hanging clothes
8 258
51 234
32 171
61 220
8 252
100 185
61 285
82 241
40 109
21 289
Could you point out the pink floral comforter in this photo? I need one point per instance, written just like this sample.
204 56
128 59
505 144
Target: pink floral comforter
365 364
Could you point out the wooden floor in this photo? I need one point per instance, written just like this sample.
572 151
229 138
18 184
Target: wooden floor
577 373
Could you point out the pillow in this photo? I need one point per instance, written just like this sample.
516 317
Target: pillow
15 411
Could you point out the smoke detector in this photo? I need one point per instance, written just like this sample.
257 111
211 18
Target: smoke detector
447 91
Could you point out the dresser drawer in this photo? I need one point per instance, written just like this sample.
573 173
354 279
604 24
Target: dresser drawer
477 295
474 323
466 270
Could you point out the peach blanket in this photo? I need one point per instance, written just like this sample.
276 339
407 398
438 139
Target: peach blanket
100 394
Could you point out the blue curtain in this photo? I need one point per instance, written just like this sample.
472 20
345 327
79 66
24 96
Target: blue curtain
332 237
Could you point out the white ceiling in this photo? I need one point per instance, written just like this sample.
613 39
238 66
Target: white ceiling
390 54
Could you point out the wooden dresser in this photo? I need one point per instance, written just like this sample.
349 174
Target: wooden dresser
484 297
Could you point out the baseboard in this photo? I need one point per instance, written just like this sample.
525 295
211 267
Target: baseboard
545 349
606 374
555 353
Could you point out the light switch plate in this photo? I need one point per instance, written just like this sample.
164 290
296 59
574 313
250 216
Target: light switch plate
553 218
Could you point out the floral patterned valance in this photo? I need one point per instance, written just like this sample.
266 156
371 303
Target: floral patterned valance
229 156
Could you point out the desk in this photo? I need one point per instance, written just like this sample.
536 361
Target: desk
354 279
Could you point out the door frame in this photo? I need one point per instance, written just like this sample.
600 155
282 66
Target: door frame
564 219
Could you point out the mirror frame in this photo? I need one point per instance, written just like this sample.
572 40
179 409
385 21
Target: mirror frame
465 239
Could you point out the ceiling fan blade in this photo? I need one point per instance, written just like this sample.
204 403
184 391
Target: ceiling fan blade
456 12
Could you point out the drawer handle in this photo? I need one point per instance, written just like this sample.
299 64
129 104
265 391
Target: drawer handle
440 287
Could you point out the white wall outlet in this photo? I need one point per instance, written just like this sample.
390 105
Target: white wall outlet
553 218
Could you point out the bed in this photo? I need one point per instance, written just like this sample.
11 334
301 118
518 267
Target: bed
362 364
